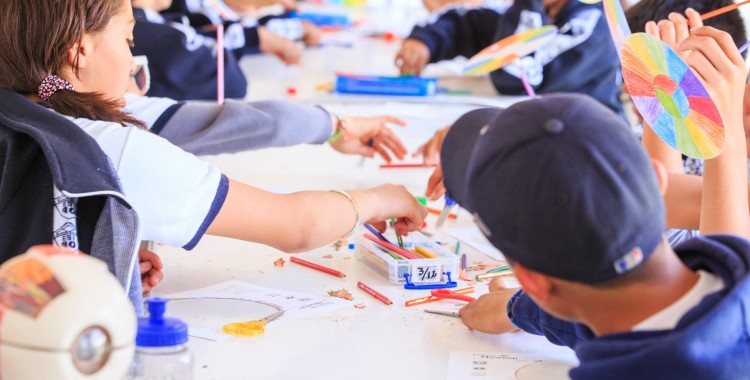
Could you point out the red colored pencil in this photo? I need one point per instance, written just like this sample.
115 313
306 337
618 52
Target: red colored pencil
321 268
393 248
406 166
374 293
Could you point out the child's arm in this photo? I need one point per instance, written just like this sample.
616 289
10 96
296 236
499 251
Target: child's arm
208 128
715 59
310 219
453 34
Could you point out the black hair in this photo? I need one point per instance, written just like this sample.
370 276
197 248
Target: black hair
654 10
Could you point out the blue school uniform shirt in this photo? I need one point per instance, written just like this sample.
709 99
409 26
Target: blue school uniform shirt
182 61
711 341
581 58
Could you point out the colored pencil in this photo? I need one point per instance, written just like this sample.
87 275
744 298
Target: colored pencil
406 166
376 233
398 237
499 269
437 212
425 252
317 267
723 10
485 276
392 247
458 248
430 298
374 293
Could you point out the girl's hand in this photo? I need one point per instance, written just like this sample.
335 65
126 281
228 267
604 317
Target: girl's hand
150 267
394 201
285 49
366 136
412 57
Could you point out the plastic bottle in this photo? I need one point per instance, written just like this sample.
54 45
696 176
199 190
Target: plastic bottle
161 347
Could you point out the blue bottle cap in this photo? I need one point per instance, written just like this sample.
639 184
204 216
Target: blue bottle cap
157 331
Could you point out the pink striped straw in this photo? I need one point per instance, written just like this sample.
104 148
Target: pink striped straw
220 64
526 85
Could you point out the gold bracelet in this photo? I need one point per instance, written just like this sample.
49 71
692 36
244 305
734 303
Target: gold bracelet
356 209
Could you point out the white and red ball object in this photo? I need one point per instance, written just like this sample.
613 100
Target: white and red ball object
63 316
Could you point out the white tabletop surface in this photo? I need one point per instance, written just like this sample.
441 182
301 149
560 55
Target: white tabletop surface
379 341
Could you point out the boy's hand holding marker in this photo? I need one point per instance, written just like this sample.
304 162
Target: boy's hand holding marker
283 48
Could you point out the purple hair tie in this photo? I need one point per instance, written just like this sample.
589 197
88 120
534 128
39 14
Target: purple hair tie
52 84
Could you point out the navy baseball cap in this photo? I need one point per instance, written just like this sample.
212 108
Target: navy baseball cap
560 185
457 147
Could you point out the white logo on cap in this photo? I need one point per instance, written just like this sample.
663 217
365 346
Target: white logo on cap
484 129
629 261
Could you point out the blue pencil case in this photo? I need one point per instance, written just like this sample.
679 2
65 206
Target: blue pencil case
378 85
324 19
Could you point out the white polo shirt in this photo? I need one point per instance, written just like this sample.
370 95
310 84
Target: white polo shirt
175 194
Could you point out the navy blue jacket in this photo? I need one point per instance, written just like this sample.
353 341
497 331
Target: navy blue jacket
711 341
182 62
582 58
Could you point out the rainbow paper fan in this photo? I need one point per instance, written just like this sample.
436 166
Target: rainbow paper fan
618 25
509 49
670 98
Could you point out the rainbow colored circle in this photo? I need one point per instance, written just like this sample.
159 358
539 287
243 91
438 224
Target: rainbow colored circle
671 98
509 49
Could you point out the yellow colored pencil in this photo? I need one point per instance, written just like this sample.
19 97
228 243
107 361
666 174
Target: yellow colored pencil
424 252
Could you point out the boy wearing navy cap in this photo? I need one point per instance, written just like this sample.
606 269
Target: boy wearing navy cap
564 190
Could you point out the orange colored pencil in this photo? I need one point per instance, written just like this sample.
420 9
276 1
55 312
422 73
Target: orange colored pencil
374 293
723 10
317 267
428 299
437 212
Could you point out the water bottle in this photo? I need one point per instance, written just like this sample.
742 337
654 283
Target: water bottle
161 347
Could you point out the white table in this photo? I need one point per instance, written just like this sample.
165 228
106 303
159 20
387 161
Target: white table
378 342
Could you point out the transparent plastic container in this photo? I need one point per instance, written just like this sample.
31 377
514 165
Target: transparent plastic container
374 257
161 351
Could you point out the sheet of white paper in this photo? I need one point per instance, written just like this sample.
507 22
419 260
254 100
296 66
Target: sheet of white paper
472 236
507 366
206 310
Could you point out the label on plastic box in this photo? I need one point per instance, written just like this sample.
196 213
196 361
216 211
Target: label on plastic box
426 273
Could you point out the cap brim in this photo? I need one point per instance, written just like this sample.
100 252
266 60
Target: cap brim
457 148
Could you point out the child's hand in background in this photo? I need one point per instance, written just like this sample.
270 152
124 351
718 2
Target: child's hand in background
412 57
285 49
310 34
430 151
361 130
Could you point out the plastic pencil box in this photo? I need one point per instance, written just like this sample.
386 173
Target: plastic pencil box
378 85
424 273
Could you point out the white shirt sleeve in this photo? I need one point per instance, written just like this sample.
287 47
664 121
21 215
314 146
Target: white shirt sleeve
175 194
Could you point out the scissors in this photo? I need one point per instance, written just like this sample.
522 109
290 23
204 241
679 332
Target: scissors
449 294
453 314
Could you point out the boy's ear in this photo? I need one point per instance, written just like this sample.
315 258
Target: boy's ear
661 175
537 285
